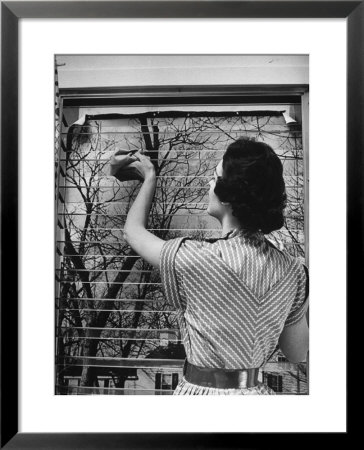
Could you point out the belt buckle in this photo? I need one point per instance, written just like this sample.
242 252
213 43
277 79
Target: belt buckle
243 379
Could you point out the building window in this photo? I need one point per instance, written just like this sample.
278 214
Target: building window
166 381
274 381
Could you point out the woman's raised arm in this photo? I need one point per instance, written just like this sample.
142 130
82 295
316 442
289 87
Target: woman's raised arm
142 241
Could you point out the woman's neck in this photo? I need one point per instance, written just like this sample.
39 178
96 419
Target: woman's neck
229 223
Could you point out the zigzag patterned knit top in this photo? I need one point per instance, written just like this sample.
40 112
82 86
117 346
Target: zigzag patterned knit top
233 297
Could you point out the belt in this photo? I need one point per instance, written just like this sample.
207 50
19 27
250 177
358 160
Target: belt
220 378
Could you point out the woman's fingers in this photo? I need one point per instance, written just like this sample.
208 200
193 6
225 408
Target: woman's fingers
139 156
144 159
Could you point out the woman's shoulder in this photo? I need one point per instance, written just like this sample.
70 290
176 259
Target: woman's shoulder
195 249
181 244
282 256
200 245
280 248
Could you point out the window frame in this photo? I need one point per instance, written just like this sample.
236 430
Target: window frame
196 95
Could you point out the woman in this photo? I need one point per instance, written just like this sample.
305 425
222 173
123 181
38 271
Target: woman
237 297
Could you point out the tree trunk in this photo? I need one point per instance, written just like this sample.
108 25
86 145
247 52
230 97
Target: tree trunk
89 374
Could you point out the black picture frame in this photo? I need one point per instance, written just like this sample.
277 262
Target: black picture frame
11 13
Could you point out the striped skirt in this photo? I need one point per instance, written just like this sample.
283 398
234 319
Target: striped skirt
184 387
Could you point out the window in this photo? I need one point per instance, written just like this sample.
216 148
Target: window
111 310
166 381
274 381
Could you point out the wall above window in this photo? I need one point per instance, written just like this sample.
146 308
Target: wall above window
89 71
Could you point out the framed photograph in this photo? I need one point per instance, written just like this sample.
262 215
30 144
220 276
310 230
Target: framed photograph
45 345
111 310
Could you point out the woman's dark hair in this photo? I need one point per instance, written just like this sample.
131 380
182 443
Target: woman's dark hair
253 184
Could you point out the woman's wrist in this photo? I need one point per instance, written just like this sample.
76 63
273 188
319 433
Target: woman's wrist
150 175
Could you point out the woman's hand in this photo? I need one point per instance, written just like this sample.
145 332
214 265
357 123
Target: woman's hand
144 165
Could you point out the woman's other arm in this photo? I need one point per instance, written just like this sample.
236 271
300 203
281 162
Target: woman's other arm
143 242
293 341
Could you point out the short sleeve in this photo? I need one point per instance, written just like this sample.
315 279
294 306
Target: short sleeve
176 264
168 271
300 303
